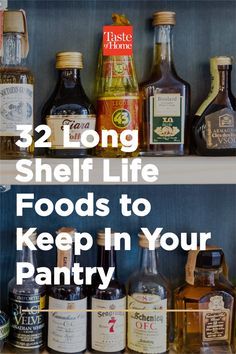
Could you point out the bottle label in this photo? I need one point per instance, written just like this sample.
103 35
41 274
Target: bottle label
108 325
67 331
117 113
147 331
221 129
26 328
167 117
4 331
216 324
78 124
16 107
119 68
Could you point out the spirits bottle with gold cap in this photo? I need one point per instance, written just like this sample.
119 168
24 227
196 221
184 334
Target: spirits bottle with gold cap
148 300
165 97
16 85
108 319
27 329
68 105
214 127
205 305
67 317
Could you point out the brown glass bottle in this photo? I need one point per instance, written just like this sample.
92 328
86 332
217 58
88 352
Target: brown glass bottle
165 98
214 128
108 325
68 105
67 330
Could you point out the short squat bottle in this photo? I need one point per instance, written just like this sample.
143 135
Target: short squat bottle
165 97
214 128
69 106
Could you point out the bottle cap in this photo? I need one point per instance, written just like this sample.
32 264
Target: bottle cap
210 259
164 18
70 60
101 238
143 241
223 60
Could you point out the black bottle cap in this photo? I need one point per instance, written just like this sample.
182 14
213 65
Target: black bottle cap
210 259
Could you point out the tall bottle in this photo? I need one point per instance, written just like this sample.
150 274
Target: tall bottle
68 105
214 128
27 329
148 298
108 319
117 96
67 331
165 97
16 86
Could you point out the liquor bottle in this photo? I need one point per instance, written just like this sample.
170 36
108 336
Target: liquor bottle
67 330
117 96
209 299
165 97
148 300
4 329
16 86
214 128
108 319
68 105
27 329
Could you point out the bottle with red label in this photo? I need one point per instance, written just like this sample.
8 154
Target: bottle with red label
117 89
108 317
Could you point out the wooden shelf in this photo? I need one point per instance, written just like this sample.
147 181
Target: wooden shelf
172 170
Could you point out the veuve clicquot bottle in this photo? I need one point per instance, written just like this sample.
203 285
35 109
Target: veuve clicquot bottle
67 317
108 318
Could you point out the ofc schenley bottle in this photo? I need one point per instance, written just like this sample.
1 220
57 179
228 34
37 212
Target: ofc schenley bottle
214 128
68 105
27 329
108 319
165 97
148 298
67 330
16 86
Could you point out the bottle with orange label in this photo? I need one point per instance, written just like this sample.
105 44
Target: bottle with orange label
117 93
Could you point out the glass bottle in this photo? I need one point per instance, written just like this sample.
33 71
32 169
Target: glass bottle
148 299
4 329
165 97
209 299
27 329
214 128
68 105
117 96
108 323
67 331
16 86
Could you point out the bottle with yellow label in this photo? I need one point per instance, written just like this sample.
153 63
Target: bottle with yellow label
117 96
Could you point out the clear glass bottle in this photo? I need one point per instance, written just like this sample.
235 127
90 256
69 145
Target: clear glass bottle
67 331
212 296
214 127
68 105
165 97
148 298
16 86
27 329
108 324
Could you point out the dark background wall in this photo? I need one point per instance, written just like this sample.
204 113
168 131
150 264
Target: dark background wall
175 208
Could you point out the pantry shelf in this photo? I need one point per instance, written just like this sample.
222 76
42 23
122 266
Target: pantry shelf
172 170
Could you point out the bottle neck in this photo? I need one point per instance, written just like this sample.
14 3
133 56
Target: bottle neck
12 50
65 258
224 79
163 50
149 261
28 256
69 79
206 277
107 259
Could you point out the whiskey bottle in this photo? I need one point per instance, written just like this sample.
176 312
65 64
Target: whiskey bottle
148 300
214 128
67 317
27 329
165 97
68 105
16 86
108 318
206 305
